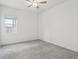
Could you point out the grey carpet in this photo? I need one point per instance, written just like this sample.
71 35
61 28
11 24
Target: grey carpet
36 49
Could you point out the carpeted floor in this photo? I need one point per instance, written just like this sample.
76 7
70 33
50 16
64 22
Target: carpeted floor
36 49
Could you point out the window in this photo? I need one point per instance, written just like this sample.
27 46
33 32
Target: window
10 22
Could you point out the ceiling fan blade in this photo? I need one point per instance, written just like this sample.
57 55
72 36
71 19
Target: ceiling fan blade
43 2
37 7
29 6
28 0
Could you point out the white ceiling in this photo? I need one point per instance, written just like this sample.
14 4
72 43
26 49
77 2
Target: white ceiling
21 4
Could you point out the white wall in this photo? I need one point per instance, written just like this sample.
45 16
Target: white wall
0 23
26 28
58 25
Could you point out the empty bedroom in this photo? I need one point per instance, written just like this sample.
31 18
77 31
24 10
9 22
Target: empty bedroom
38 29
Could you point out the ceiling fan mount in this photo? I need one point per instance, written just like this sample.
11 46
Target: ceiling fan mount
35 3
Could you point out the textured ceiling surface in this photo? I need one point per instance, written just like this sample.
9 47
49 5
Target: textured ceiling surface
21 4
